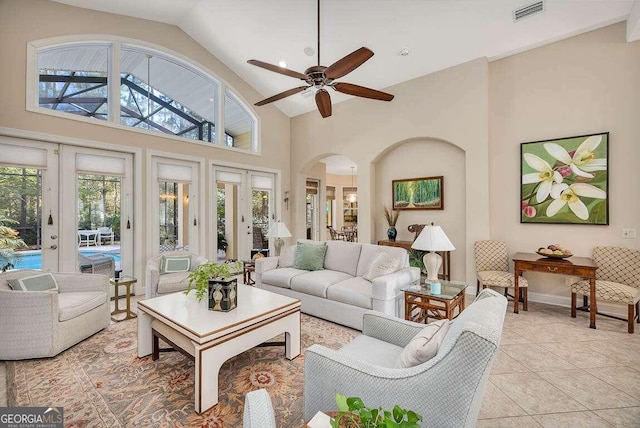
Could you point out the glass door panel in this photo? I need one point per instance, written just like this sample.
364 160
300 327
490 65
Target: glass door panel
228 218
261 215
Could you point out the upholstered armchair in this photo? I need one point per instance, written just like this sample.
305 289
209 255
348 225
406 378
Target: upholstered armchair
258 410
617 280
105 234
446 390
157 283
103 265
492 269
38 324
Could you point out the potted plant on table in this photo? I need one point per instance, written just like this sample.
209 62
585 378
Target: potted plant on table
354 414
391 217
213 279
9 241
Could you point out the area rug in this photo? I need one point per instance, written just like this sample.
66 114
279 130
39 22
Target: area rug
101 382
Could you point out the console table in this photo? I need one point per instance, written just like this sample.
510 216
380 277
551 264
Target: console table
583 267
446 256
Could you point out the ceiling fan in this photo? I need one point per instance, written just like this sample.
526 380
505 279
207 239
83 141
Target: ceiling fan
321 77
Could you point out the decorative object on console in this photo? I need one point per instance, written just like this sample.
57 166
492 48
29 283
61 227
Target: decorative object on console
391 217
223 294
426 193
432 238
204 276
555 251
321 78
565 180
278 230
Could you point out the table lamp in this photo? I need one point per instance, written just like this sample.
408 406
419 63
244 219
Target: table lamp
432 238
278 230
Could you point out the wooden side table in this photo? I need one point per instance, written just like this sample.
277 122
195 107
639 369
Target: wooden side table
127 282
248 266
420 303
446 256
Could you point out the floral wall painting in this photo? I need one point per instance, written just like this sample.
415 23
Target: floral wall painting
426 193
565 180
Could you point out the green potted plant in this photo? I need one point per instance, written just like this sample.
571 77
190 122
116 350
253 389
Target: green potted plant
354 414
213 280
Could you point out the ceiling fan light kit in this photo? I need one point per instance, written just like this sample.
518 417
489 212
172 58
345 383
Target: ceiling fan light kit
321 77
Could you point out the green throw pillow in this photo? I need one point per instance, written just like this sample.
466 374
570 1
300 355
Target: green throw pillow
310 256
170 264
40 282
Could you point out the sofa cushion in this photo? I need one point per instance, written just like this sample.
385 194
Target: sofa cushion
281 277
72 305
170 264
39 282
373 351
317 282
172 282
353 291
370 252
310 256
383 264
424 345
342 256
287 257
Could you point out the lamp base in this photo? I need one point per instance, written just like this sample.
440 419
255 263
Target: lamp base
278 243
432 262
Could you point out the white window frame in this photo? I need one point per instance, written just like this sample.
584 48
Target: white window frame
32 92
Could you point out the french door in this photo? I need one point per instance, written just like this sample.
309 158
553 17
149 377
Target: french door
244 211
65 201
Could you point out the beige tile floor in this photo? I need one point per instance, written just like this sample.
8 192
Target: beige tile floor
554 371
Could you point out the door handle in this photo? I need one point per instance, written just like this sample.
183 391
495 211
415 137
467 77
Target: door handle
53 247
54 236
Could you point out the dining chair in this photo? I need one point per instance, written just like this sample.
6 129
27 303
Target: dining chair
492 269
617 280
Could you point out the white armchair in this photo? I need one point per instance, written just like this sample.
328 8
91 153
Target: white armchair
37 324
446 390
104 234
258 410
157 284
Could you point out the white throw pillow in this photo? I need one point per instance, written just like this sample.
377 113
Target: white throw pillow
287 257
382 264
424 345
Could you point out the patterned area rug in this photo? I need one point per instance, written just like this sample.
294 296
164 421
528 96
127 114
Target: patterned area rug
101 382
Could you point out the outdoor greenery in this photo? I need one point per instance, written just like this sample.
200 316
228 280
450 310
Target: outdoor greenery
354 413
21 202
9 241
99 198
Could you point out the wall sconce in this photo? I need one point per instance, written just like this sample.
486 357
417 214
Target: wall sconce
286 200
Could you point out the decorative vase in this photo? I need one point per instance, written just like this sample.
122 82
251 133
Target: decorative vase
392 233
223 294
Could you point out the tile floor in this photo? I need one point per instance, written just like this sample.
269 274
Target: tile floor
554 371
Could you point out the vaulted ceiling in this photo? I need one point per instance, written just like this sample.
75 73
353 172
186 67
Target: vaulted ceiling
437 33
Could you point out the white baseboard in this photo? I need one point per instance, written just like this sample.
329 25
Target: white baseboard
619 310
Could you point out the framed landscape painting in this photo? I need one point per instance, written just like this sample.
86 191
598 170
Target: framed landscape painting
565 180
426 193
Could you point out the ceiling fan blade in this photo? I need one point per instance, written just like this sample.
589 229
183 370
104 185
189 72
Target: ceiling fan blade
281 95
361 91
323 101
278 69
346 65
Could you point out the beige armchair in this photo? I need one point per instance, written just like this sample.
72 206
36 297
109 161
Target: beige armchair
37 324
157 284
617 280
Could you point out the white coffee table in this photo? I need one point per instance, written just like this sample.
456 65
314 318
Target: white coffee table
212 337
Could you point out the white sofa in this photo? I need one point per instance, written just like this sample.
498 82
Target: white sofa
339 293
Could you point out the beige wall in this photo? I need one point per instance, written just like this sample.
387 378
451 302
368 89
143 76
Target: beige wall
29 20
582 85
449 106
426 158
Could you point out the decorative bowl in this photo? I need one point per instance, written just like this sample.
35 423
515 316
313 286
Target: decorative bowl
555 256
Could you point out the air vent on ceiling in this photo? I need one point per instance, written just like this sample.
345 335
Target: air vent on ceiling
526 11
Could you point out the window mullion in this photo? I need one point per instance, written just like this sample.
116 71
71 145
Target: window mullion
113 82
219 115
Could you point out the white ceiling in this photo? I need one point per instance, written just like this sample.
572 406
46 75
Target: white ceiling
438 33
340 165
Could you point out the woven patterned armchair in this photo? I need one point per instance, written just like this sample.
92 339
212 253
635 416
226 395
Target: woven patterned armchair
38 324
258 410
617 280
447 390
492 269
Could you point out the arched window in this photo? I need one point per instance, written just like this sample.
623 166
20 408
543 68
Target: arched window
157 92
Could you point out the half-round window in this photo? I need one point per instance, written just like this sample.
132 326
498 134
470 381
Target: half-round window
157 93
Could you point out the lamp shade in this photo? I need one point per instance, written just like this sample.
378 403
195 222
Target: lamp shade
432 238
278 230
